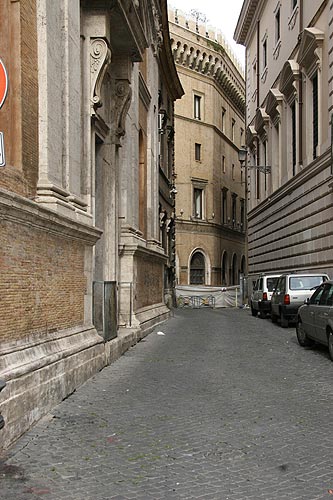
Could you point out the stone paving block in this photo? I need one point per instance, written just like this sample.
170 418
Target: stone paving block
222 407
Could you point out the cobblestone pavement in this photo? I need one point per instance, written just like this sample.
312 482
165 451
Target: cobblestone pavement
223 406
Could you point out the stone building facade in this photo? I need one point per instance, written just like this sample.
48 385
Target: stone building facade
82 264
209 124
289 93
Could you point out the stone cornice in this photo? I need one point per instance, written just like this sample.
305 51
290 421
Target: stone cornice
20 210
207 62
245 20
209 125
199 226
168 67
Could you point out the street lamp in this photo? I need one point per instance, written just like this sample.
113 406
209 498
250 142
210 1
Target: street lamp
242 154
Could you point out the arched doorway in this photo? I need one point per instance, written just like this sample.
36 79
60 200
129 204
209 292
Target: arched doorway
243 266
234 271
197 269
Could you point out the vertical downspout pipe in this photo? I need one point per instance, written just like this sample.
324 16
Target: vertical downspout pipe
258 104
300 100
2 386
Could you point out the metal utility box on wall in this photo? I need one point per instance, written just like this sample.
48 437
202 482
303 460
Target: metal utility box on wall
105 308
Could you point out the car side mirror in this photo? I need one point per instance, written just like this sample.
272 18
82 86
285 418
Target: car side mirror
307 301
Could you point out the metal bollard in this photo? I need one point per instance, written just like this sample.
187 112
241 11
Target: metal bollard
2 386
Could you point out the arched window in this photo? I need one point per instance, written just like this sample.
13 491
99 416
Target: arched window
197 271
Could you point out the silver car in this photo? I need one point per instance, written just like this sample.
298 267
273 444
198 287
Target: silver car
315 318
291 290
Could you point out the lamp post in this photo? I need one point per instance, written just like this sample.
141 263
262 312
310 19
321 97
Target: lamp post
242 155
265 169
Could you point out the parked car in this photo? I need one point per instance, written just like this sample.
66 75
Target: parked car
292 289
315 318
261 295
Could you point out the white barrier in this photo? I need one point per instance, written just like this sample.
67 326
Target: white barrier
208 296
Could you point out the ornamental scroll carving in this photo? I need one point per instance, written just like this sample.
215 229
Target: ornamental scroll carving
156 27
122 96
100 58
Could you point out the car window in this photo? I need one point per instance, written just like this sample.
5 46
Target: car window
255 285
330 296
327 295
271 282
260 284
277 286
282 285
315 297
305 282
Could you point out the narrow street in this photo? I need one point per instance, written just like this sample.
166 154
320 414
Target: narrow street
222 406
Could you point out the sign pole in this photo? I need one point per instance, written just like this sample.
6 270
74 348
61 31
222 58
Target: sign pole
3 95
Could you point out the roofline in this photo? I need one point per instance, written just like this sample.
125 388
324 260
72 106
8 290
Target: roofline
244 21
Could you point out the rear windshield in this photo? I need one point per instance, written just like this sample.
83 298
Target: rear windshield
271 284
305 282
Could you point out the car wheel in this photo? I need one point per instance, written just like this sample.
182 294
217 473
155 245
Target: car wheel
302 337
263 315
274 318
330 344
253 311
284 321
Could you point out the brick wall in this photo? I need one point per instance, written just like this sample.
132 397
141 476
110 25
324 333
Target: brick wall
42 282
149 282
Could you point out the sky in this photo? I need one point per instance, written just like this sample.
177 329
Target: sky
221 14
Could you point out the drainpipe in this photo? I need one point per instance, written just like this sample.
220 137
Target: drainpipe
2 386
300 101
258 104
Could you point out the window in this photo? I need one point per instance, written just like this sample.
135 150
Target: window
264 54
242 217
197 107
224 205
315 114
198 203
223 164
254 75
197 152
233 130
233 172
234 207
265 161
293 136
223 119
277 26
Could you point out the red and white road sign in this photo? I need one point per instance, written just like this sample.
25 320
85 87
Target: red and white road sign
3 83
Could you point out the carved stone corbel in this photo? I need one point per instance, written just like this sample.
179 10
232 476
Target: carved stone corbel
100 58
122 96
157 33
